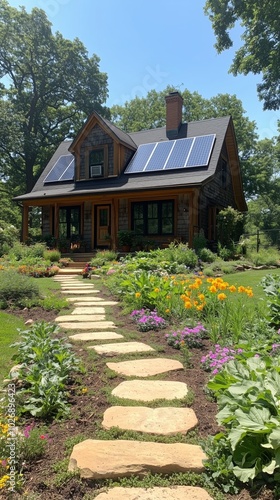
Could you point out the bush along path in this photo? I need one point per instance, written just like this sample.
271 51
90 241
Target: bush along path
96 459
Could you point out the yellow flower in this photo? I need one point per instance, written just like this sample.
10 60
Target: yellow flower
241 289
167 310
201 297
249 292
168 297
84 390
232 288
213 289
200 307
188 305
198 281
156 290
222 296
222 286
137 295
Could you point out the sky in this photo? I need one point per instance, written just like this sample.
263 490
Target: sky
149 44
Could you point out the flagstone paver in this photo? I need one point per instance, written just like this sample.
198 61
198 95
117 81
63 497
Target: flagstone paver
95 336
89 310
145 367
156 493
149 390
122 348
90 301
80 317
88 325
164 420
73 291
120 458
96 459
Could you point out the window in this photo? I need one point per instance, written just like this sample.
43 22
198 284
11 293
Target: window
69 221
96 163
153 218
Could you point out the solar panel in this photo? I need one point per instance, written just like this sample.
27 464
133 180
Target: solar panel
69 172
140 158
62 170
179 153
201 150
159 156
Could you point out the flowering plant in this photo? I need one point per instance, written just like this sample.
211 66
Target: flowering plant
148 320
215 360
192 337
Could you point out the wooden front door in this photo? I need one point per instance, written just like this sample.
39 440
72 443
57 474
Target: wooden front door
103 225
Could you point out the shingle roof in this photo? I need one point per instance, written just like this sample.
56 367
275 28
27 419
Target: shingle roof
146 180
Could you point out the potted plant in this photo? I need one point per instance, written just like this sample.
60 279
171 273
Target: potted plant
125 240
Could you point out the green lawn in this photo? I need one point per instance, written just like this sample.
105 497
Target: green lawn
9 334
251 278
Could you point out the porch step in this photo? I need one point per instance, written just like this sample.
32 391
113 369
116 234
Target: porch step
79 257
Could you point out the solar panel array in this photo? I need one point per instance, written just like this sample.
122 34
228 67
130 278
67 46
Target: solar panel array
168 155
63 170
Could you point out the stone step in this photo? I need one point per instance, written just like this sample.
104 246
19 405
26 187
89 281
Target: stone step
156 493
66 271
80 317
76 286
95 336
145 367
150 390
88 325
74 291
91 301
164 420
88 310
98 459
122 348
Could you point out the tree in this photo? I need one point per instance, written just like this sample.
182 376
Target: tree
49 86
260 52
150 112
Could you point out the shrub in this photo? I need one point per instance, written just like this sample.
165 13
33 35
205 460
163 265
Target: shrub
17 290
102 257
52 255
230 224
207 255
264 257
8 235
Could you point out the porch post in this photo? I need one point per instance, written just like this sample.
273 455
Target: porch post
193 215
56 220
115 220
25 214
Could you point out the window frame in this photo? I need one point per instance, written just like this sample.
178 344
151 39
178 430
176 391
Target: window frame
104 164
68 221
145 206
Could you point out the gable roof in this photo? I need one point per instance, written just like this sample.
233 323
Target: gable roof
185 177
116 133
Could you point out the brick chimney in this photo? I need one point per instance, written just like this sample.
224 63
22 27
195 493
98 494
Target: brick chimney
174 105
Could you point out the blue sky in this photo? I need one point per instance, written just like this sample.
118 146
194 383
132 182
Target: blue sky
150 44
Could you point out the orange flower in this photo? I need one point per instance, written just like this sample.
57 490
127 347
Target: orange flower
241 289
137 295
222 296
213 289
201 297
188 305
232 288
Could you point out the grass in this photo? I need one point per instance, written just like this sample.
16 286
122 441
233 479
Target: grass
9 335
251 278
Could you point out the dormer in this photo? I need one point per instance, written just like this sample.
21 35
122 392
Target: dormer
101 150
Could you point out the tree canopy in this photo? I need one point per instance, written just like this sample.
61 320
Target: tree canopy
49 85
260 52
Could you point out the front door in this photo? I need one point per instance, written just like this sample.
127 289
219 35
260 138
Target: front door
103 226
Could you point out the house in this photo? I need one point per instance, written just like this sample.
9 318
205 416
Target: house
166 183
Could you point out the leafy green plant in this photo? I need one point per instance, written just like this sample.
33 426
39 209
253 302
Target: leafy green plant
271 287
46 364
52 255
17 290
248 399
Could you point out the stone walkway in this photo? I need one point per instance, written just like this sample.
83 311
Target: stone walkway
100 459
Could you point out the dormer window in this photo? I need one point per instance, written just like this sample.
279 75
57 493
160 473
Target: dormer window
96 163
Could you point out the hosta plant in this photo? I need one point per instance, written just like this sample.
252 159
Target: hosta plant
248 394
